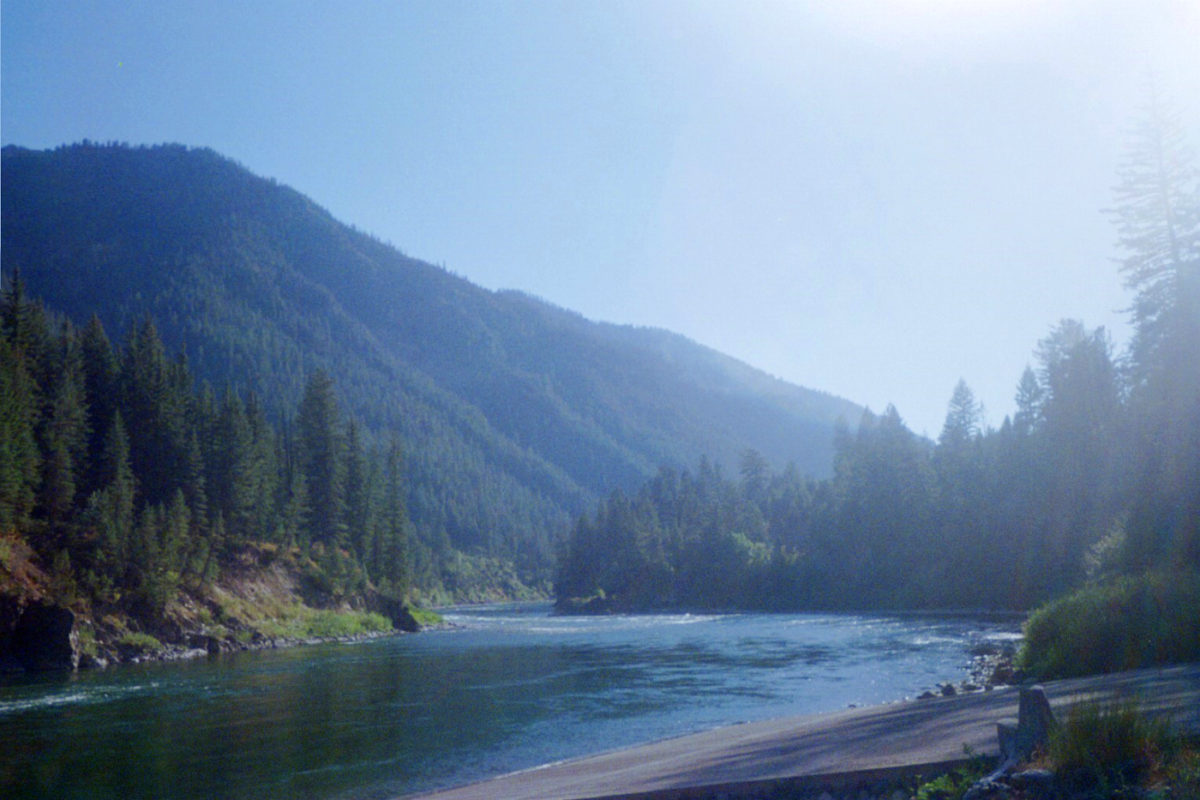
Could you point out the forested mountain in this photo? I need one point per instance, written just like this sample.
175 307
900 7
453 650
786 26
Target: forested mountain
515 415
129 486
1096 474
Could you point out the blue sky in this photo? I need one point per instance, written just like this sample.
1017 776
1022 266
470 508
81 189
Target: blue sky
869 197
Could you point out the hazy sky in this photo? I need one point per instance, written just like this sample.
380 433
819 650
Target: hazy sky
874 198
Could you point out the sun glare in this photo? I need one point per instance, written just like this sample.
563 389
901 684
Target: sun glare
951 22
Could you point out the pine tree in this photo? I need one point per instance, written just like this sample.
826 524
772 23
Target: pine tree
321 457
1158 223
1157 215
19 456
110 511
101 394
1029 403
390 566
64 435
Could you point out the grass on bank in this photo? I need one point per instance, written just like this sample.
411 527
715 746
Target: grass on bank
279 619
1126 623
1107 750
1100 751
425 617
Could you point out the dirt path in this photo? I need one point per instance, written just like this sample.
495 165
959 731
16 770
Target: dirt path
897 735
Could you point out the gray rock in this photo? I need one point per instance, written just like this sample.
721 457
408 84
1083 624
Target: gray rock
1032 729
1035 719
1006 732
1033 779
988 790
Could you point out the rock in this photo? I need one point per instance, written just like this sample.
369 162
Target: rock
210 644
970 687
926 695
92 662
395 610
1033 780
405 621
45 638
988 789
1001 675
1031 730
1035 717
1006 732
948 690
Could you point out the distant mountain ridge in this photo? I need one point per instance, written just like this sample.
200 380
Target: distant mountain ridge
515 414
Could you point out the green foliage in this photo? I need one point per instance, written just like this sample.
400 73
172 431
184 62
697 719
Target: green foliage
1183 774
1104 748
1122 624
518 417
87 641
425 617
131 516
515 415
954 784
141 642
275 619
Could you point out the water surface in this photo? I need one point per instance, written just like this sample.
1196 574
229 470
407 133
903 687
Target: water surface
510 688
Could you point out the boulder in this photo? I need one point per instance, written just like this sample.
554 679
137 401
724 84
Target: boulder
1039 781
395 610
988 789
44 638
1031 731
1036 719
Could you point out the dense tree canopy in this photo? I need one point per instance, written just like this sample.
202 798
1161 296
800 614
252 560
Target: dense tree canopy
133 485
1098 470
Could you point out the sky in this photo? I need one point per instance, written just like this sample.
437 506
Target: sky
874 198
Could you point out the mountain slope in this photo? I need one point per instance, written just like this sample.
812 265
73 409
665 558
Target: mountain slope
515 414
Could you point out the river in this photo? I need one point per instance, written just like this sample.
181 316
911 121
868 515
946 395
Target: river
510 687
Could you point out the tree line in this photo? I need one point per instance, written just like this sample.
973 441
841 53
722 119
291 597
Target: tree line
131 484
1096 472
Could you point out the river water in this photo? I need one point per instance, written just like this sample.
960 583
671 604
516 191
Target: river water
509 688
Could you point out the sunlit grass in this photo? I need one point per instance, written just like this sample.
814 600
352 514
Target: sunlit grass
275 618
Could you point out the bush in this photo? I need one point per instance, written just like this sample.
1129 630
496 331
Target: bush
1108 747
425 617
140 642
954 784
1123 624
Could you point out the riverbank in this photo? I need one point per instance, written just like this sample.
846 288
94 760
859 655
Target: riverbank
852 753
262 599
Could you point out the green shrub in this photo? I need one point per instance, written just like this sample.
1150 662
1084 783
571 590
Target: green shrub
142 642
424 617
87 641
1183 775
954 784
326 623
1105 747
1123 624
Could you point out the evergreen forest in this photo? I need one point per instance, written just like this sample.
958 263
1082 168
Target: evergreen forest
132 485
515 416
1096 474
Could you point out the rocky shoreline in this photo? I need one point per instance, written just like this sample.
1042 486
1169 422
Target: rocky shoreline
992 666
38 636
